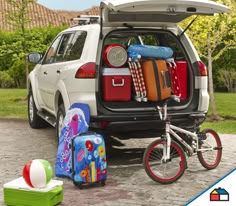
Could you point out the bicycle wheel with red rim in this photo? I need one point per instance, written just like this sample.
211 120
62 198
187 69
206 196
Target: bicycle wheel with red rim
164 172
211 147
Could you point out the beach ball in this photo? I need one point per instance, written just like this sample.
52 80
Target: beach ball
37 173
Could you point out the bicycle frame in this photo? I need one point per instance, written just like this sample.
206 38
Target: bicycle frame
171 130
165 159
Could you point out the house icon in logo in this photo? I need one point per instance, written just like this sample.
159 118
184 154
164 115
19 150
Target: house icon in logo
219 194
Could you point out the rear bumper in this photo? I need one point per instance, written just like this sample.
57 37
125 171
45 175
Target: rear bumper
141 125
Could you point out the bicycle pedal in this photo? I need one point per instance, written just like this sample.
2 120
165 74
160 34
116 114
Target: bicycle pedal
201 136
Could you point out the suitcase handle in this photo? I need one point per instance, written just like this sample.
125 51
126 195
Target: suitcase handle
165 79
117 82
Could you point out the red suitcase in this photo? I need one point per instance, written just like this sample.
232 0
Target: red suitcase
179 77
116 84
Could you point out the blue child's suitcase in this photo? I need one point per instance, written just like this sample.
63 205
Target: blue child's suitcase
89 162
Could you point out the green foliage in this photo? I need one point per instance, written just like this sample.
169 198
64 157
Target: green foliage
217 33
12 57
225 70
6 81
14 46
18 17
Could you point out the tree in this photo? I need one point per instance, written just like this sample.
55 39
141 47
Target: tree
11 56
212 36
227 70
18 18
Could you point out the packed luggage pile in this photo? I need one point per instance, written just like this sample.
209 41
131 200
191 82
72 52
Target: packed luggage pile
142 73
139 73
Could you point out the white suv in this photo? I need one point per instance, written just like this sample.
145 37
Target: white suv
72 68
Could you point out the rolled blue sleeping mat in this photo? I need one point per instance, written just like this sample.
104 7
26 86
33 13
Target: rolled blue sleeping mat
149 51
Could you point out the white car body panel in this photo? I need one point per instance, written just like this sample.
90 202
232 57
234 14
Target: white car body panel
49 81
201 83
163 12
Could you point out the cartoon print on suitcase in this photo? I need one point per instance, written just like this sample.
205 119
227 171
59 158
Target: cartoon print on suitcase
89 159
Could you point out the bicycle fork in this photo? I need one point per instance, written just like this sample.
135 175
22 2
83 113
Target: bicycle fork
166 149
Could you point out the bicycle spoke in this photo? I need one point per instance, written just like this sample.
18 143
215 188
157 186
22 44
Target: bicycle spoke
210 150
160 169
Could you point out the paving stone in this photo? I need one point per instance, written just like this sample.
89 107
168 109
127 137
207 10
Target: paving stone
127 182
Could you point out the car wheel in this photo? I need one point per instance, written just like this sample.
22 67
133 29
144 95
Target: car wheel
35 121
60 120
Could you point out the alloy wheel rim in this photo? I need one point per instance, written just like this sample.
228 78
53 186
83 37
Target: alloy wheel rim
31 108
60 124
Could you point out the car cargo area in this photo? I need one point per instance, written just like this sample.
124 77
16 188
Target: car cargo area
128 81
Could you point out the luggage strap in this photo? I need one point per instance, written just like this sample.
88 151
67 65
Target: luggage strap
138 80
155 69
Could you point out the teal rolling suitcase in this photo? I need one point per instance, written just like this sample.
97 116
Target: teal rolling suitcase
18 193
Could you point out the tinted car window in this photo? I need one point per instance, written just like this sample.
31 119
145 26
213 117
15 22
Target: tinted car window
63 48
150 39
75 47
168 40
50 56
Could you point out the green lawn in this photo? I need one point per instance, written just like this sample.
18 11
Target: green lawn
13 104
225 104
226 108
223 127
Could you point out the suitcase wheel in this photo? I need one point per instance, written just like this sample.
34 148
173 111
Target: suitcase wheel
78 184
103 182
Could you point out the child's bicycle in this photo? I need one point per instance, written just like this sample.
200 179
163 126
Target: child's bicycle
165 158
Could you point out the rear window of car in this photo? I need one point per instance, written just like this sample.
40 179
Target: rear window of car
147 37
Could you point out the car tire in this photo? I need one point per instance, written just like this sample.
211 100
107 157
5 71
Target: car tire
60 119
35 121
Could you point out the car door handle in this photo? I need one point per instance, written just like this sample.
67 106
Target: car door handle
45 73
58 71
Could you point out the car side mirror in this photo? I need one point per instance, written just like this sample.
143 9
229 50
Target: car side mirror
34 57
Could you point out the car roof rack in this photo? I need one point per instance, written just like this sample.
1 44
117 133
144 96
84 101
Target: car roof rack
86 19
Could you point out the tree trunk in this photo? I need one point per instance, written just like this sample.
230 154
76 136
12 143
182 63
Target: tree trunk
24 46
210 78
26 72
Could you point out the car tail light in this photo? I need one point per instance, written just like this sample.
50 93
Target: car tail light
203 68
86 71
115 55
103 124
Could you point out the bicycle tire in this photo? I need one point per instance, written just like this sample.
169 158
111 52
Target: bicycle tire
202 155
154 151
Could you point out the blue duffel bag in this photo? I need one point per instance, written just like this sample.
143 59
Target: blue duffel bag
151 51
